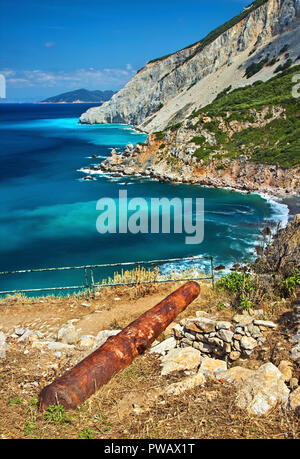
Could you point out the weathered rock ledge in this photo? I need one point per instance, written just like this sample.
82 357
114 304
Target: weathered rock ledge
174 162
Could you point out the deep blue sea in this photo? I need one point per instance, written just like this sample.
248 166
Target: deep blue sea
48 212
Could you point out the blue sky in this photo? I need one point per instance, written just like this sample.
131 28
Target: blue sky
53 46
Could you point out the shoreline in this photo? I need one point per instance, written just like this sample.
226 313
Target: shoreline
291 200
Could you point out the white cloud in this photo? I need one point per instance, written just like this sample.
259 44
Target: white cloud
90 78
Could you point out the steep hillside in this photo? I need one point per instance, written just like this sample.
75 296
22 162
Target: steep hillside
80 95
247 138
246 49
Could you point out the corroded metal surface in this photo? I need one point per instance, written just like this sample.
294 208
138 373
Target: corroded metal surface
78 384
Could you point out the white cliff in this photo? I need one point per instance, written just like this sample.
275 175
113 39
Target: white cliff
167 90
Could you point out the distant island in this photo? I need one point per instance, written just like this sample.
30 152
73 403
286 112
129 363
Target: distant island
80 95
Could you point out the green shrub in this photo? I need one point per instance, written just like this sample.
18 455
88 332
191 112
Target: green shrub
14 401
284 66
240 283
198 140
291 283
159 135
202 153
255 67
86 434
235 281
57 415
174 127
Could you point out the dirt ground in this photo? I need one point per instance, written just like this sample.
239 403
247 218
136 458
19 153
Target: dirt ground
125 408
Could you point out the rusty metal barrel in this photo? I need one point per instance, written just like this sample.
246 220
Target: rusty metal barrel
83 380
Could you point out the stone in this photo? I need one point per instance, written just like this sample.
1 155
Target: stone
241 319
236 345
215 341
177 331
202 347
180 359
188 383
225 335
202 338
20 331
188 335
39 344
184 321
234 355
68 334
86 340
236 374
258 313
248 343
237 336
190 327
227 347
223 325
294 383
202 314
294 400
239 331
57 346
286 368
202 324
265 323
28 335
163 347
103 336
187 341
169 330
295 352
211 366
262 391
254 331
2 345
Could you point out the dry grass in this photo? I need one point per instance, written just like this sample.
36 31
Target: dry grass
207 412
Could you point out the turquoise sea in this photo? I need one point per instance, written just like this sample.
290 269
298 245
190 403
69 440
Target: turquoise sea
48 212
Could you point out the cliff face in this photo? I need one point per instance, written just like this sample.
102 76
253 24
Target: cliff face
151 160
167 90
224 150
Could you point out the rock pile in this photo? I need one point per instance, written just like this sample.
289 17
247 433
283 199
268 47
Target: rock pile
223 339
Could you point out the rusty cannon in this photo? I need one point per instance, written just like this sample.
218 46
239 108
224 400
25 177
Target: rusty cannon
83 380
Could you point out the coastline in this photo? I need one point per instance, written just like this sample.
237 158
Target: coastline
141 162
290 201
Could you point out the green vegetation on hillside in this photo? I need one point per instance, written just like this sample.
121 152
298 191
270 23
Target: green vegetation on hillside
276 143
256 67
81 94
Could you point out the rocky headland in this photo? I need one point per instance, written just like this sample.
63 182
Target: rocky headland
222 112
168 89
175 162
